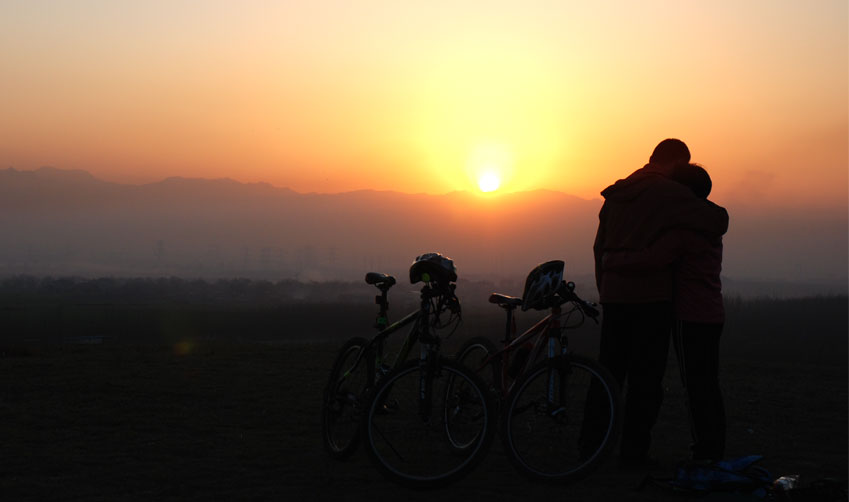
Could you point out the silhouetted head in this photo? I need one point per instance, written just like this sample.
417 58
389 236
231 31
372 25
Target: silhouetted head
670 153
695 177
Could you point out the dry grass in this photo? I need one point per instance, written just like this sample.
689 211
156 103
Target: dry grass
230 421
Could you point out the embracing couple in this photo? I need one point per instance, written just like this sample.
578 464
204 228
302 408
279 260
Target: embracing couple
658 255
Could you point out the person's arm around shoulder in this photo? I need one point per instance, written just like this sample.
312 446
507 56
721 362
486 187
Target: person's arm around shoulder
662 253
685 210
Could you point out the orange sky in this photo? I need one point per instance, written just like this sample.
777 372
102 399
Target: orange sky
338 96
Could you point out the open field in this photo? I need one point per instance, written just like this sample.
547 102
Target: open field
241 421
195 413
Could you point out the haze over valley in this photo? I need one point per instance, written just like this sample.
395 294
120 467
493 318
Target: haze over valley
66 222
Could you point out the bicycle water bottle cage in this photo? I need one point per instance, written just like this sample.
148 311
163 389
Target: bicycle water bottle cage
542 284
433 267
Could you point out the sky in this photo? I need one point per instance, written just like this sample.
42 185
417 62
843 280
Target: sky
427 97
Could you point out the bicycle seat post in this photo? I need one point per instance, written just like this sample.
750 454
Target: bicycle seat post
509 304
382 320
510 325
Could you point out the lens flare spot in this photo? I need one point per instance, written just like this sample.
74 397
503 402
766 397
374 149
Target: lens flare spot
183 348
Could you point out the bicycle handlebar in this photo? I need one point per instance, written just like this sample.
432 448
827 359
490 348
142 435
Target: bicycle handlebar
566 292
445 293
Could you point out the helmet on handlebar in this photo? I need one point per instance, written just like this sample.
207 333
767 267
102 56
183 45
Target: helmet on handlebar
541 284
433 267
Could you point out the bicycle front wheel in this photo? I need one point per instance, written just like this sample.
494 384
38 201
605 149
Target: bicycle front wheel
411 416
342 405
563 419
473 355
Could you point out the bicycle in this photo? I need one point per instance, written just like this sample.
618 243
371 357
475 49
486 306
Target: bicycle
358 364
387 403
545 429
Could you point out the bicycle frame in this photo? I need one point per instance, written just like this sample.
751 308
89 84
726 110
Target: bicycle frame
363 363
376 345
546 328
418 332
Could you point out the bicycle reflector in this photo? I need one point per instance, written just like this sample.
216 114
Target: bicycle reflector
433 267
541 284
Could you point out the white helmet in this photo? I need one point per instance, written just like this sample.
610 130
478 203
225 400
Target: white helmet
541 285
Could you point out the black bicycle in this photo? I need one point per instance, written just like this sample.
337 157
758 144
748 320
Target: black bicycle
406 410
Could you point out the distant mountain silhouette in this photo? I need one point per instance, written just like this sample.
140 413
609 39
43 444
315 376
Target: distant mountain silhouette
66 219
61 222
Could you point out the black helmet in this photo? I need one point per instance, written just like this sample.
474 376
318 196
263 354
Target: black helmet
433 267
541 283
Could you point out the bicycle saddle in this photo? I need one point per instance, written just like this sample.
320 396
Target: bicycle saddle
504 300
379 279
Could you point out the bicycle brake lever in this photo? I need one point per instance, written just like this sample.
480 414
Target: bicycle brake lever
590 310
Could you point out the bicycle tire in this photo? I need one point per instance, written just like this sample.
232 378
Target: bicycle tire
343 399
413 451
472 355
542 438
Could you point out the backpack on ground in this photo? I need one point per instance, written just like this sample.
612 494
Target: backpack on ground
732 475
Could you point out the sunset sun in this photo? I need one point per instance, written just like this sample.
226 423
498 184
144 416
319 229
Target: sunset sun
489 182
489 165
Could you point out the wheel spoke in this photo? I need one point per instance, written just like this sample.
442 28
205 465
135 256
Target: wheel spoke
342 408
545 443
417 450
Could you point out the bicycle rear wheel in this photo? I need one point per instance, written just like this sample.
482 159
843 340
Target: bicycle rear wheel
408 441
352 373
544 419
473 354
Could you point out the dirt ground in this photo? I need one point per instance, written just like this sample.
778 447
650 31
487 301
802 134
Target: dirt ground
227 421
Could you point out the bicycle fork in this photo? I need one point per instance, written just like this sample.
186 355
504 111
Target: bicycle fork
559 370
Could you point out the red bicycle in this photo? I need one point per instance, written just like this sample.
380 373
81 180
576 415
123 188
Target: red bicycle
546 391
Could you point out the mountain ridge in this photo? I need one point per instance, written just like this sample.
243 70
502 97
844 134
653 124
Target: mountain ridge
58 174
55 221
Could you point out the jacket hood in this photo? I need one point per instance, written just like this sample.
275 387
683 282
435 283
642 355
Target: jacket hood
632 186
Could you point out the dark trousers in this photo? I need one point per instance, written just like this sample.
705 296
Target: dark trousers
697 347
634 347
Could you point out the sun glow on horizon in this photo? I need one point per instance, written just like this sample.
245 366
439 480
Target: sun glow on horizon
489 182
489 166
323 97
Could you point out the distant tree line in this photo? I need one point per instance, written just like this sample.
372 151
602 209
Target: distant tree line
160 310
26 289
174 290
